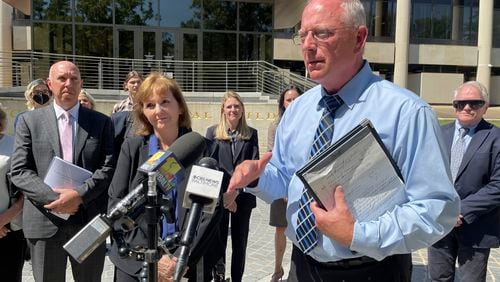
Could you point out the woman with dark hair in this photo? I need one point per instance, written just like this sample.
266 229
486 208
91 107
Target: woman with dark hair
236 142
277 216
162 116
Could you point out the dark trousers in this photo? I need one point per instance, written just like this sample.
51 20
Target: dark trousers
13 248
472 262
240 225
49 259
396 268
122 276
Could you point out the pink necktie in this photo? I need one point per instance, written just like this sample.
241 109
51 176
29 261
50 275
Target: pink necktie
67 138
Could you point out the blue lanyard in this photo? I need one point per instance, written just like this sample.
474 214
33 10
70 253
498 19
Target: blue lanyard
167 228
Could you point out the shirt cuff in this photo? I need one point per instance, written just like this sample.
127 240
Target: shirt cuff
365 240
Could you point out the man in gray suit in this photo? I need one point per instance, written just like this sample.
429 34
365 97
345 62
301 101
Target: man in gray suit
81 136
474 146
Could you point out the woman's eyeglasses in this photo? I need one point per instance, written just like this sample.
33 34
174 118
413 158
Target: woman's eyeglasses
473 104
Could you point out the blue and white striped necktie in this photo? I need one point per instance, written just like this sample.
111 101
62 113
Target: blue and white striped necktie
306 232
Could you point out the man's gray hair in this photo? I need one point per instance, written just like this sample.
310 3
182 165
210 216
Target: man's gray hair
354 13
478 85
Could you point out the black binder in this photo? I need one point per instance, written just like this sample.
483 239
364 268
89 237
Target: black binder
353 138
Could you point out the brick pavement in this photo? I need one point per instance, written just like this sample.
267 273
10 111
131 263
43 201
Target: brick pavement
260 255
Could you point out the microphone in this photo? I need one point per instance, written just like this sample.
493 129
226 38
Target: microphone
201 195
170 166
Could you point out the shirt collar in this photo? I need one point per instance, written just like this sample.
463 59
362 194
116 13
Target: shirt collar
232 132
353 89
472 129
154 144
73 111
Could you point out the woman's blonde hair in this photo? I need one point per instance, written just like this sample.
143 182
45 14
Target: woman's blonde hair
28 94
87 95
156 83
244 131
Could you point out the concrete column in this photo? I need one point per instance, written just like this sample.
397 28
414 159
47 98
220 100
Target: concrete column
484 42
5 45
378 18
456 20
402 43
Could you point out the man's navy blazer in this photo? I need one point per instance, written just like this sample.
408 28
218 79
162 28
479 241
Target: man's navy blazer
478 184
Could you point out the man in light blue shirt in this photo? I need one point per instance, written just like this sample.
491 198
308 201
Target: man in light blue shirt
332 38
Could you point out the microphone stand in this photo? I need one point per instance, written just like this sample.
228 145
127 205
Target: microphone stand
151 256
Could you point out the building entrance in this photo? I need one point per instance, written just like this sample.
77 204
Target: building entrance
157 44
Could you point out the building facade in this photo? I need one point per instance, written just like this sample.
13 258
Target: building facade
428 46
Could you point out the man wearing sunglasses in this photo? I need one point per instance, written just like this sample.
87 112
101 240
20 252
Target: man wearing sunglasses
474 148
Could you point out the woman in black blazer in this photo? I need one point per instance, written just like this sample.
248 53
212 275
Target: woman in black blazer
236 142
162 116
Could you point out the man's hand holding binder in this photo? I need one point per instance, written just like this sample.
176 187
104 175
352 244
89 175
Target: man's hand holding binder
370 179
63 177
338 222
67 203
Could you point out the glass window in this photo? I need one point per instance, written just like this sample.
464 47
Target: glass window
441 19
421 22
496 25
52 38
380 17
185 13
126 44
255 47
52 10
141 12
94 41
168 45
91 11
219 46
256 17
149 45
220 15
431 19
190 47
468 21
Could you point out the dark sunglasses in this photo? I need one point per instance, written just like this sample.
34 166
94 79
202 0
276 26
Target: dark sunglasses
474 104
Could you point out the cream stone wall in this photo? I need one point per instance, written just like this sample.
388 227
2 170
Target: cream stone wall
21 38
435 88
379 52
451 55
285 49
495 90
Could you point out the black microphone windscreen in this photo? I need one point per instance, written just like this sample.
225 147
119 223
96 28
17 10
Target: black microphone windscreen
208 163
188 148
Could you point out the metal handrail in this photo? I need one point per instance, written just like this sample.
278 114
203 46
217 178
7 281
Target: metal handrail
193 76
